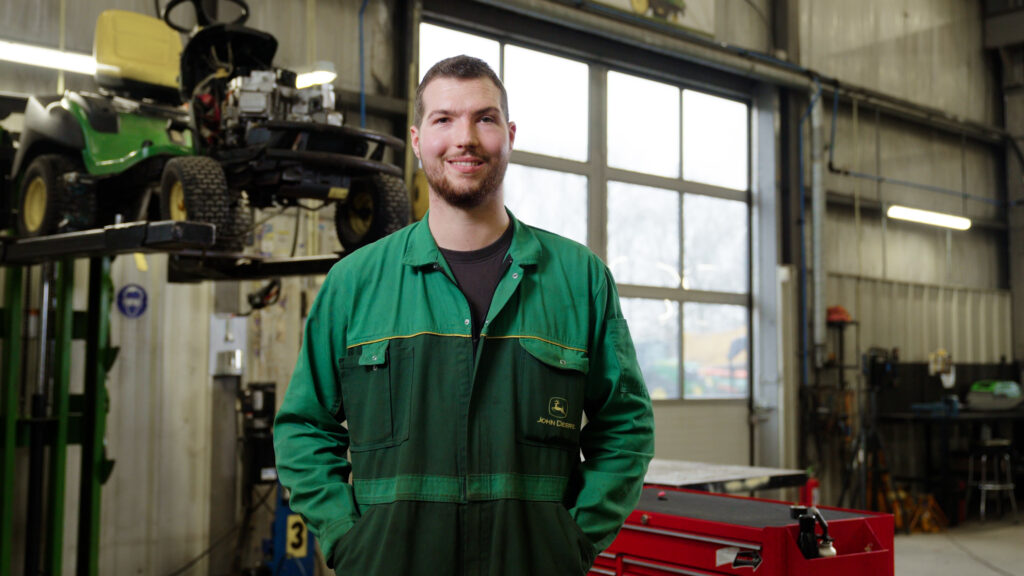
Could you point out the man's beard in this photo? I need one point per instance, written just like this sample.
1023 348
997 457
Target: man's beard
465 198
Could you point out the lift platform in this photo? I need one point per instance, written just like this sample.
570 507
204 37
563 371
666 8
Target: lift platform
196 266
111 240
187 244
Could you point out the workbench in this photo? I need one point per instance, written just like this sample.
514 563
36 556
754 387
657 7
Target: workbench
940 479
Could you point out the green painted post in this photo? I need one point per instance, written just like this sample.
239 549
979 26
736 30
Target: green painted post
13 295
94 417
64 290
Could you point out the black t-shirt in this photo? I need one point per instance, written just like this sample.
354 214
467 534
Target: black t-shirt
477 273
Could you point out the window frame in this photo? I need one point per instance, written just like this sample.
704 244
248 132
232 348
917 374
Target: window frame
598 173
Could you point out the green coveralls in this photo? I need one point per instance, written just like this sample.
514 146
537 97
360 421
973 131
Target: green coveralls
465 462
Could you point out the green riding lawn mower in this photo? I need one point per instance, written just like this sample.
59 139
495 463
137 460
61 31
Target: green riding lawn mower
206 136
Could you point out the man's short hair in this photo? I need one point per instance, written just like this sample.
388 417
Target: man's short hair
462 67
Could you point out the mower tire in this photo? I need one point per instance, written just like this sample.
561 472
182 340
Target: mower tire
375 207
44 197
194 188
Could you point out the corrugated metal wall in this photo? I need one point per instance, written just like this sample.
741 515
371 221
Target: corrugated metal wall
705 431
971 324
925 51
155 513
909 286
919 287
744 24
899 150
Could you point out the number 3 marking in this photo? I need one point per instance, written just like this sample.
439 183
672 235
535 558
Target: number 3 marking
297 537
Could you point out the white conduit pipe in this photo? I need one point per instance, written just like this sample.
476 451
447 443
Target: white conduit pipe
818 233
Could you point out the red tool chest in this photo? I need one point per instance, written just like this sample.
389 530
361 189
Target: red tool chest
675 531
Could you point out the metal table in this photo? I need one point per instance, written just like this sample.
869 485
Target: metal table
720 478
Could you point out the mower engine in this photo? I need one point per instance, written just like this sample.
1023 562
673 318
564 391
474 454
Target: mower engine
261 96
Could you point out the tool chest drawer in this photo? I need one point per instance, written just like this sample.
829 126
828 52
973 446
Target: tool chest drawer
674 532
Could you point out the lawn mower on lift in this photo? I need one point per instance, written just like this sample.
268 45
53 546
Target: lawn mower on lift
246 137
277 142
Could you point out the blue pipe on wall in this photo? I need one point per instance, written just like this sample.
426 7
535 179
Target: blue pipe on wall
362 68
875 178
805 368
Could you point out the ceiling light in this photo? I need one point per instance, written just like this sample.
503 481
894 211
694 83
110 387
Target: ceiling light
928 217
319 73
47 57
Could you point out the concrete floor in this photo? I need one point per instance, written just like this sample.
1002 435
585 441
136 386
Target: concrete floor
995 548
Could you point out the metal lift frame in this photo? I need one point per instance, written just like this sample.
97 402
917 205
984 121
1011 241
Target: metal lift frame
81 418
76 419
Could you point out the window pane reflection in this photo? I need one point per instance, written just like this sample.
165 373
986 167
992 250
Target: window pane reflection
643 125
716 351
716 246
654 327
554 201
643 235
714 140
552 120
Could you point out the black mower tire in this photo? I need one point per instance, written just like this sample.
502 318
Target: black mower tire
204 197
376 206
50 198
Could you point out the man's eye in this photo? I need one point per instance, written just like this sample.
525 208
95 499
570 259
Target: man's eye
441 121
489 119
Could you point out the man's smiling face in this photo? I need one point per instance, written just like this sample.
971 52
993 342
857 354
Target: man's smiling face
464 140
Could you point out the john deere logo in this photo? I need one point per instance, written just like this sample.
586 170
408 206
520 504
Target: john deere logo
558 407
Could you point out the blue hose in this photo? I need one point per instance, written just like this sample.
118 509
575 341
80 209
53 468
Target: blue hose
805 353
362 69
882 179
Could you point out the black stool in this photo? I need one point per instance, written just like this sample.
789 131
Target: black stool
996 467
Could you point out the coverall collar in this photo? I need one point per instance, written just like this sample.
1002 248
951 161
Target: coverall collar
422 250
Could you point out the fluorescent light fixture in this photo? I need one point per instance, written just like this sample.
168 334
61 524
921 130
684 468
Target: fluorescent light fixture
321 72
307 79
928 217
47 57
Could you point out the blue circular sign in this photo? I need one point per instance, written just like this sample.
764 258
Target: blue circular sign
132 300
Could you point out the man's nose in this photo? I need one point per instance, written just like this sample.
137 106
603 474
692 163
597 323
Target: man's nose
466 135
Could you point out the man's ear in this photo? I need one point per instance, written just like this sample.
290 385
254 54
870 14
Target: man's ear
511 134
414 138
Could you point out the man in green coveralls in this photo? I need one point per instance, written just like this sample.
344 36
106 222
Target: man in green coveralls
456 359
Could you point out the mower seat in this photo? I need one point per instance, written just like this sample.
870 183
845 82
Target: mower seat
137 56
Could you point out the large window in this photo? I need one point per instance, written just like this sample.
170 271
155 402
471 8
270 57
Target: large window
661 193
643 125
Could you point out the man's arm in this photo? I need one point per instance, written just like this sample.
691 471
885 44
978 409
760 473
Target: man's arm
309 442
618 440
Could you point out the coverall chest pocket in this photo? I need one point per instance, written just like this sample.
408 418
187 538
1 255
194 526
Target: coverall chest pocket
549 394
374 401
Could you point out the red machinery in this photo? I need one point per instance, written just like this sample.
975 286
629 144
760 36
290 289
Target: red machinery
675 532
